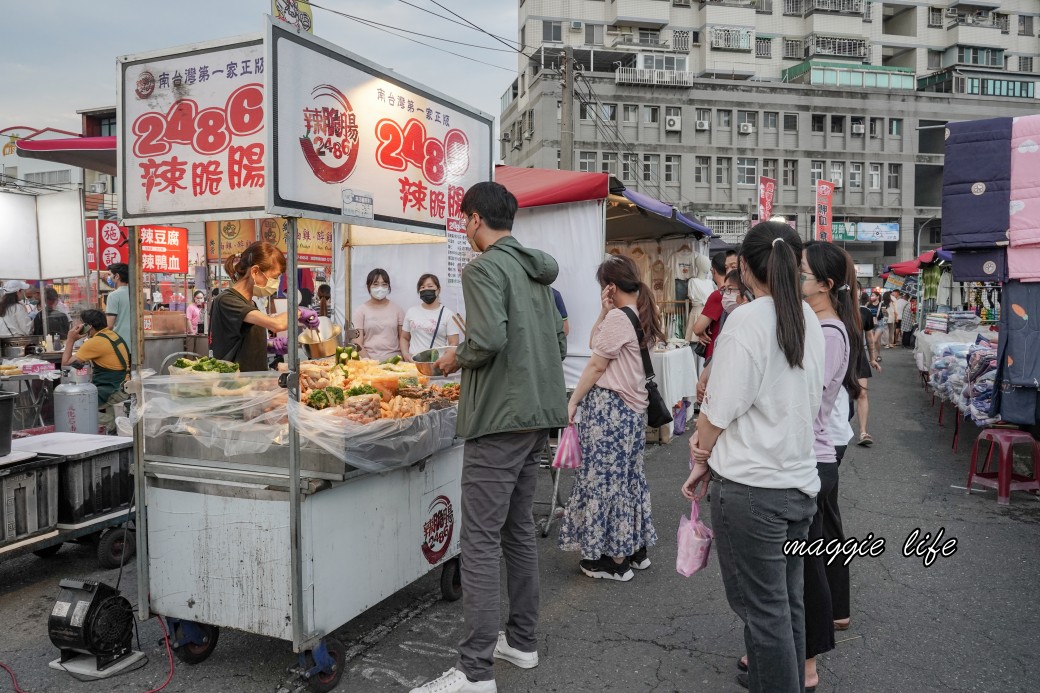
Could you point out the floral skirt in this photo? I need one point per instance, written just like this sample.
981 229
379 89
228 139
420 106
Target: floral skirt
609 509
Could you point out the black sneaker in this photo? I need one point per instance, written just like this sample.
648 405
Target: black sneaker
605 568
639 560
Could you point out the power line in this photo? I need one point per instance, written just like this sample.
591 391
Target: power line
453 21
481 29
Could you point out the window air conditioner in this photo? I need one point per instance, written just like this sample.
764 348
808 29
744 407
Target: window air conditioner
673 124
746 128
577 26
837 183
506 137
702 125
101 187
858 128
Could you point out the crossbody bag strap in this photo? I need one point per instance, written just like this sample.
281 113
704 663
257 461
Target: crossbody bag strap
435 329
648 367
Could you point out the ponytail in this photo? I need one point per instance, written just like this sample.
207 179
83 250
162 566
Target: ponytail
231 267
829 263
772 252
649 319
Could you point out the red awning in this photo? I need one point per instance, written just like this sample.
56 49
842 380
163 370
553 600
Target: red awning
905 269
94 153
536 187
927 257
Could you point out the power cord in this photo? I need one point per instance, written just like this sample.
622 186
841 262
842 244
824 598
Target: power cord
14 679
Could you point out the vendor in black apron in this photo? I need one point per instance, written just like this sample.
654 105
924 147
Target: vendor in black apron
109 357
237 328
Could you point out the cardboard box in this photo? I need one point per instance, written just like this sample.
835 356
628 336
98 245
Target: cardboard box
661 436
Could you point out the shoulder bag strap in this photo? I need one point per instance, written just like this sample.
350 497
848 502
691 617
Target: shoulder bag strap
835 328
648 367
439 316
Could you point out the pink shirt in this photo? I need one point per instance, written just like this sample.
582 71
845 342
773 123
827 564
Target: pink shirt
615 340
381 326
194 314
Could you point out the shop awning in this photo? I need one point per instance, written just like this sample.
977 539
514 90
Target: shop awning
537 187
94 153
632 215
905 269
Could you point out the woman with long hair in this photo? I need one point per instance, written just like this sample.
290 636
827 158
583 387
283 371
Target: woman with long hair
754 441
14 321
608 516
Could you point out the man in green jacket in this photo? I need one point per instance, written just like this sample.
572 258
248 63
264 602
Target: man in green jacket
512 394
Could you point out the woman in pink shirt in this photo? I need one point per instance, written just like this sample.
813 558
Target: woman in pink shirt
608 515
379 320
195 311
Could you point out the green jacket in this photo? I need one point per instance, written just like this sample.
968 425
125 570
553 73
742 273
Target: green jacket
512 357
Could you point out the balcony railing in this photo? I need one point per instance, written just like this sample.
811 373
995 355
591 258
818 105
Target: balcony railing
654 78
732 39
972 20
837 6
752 4
628 40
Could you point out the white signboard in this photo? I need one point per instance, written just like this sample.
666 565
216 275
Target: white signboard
878 231
351 142
42 236
864 270
192 143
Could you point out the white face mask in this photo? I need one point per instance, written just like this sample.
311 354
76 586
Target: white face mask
379 292
729 302
268 289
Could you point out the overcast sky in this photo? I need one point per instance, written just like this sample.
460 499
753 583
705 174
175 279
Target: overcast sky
59 56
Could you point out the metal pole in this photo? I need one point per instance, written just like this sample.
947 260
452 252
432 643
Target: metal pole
567 112
136 359
293 360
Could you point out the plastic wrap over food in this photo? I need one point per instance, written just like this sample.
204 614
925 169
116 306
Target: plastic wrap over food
378 446
239 413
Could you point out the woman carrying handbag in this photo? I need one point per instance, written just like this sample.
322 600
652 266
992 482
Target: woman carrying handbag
608 515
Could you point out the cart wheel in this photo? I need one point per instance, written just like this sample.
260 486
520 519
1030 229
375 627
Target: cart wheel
192 653
49 551
451 581
323 682
113 551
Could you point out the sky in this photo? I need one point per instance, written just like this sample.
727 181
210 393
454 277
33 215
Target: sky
59 56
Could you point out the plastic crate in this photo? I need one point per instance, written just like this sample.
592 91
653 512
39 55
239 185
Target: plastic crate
28 498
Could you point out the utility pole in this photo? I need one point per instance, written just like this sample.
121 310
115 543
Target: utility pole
567 112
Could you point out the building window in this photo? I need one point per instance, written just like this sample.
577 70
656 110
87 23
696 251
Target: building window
763 47
895 173
608 164
704 114
559 111
790 172
651 115
747 118
935 17
723 170
60 177
723 118
672 166
629 162
681 41
793 7
587 162
837 124
747 171
769 120
793 49
649 37
875 176
815 172
790 122
731 38
700 171
1025 25
856 176
594 34
1025 64
838 173
672 112
523 37
833 45
630 113
895 127
674 63
108 127
819 122
935 60
987 57
876 126
652 168
769 168
552 32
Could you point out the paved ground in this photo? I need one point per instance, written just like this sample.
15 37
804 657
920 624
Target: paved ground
967 623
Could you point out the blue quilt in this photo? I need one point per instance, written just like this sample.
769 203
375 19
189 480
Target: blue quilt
976 190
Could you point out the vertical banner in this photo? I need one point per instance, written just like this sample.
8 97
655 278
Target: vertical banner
164 250
459 255
824 210
107 244
92 254
766 193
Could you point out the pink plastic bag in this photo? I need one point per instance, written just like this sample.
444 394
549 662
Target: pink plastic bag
568 454
694 543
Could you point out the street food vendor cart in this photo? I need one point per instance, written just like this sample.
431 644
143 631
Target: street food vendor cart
264 507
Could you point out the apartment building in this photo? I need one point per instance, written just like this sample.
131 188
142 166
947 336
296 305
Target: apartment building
692 101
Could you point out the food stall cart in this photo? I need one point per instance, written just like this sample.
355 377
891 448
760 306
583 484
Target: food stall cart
258 510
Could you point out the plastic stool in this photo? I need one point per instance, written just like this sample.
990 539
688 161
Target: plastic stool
1004 479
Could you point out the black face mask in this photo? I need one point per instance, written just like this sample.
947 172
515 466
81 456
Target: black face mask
428 296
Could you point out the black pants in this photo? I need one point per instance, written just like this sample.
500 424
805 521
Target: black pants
837 572
819 616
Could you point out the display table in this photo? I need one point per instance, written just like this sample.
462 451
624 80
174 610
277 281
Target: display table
676 372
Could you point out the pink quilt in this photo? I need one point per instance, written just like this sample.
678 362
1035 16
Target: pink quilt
1025 182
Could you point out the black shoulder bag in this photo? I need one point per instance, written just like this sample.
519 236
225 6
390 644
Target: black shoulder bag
657 412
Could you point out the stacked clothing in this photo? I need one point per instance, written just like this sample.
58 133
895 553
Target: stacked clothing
1023 254
981 378
937 322
948 370
1017 394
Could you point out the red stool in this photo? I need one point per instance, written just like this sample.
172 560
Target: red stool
1004 479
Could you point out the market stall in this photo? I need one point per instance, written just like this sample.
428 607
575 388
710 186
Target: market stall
285 504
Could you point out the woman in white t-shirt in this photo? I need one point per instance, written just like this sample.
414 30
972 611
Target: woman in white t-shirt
608 516
755 440
430 325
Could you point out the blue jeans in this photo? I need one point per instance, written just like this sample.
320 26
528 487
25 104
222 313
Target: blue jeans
764 586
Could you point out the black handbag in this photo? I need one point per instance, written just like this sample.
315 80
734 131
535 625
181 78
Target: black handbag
657 412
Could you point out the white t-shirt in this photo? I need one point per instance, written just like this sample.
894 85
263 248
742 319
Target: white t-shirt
765 407
682 264
838 429
420 322
900 307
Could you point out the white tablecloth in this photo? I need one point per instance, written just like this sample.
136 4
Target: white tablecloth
676 372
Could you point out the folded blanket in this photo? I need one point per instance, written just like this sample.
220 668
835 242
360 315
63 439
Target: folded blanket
1024 263
977 184
989 265
1024 207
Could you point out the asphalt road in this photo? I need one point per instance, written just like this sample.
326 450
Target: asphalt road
969 622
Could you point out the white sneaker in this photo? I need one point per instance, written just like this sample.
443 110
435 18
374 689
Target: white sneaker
454 681
504 651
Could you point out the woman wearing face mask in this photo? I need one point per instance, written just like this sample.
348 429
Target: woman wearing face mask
238 329
430 325
195 312
379 320
734 295
14 321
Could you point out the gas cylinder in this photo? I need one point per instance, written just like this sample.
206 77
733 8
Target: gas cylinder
76 403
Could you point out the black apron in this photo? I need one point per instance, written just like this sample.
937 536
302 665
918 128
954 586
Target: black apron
106 380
